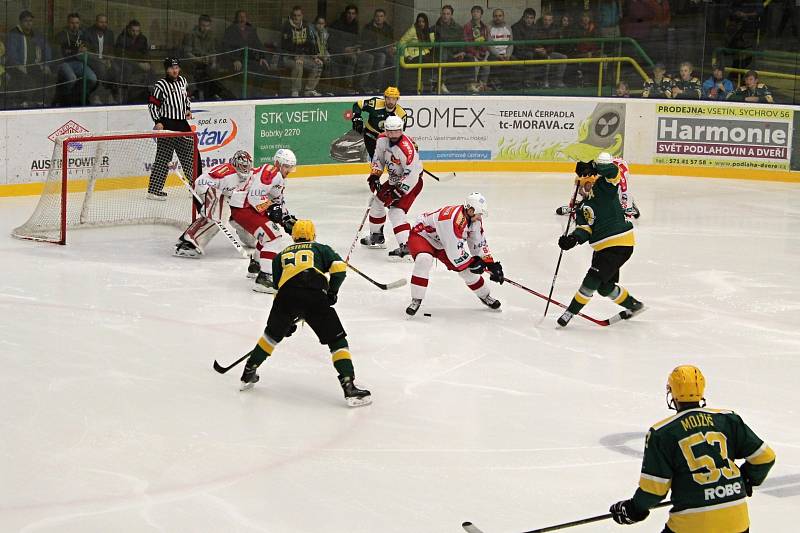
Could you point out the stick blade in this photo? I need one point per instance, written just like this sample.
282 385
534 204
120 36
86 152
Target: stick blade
469 527
396 284
219 368
447 177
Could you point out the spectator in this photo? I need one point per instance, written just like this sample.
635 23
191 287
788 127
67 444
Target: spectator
242 35
622 90
476 31
500 32
717 86
377 42
547 29
72 43
344 45
100 41
686 86
752 90
742 26
525 30
781 14
297 42
134 51
321 36
660 85
638 20
659 28
200 47
609 17
586 29
420 32
27 53
446 30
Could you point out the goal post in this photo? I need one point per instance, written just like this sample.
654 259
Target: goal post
114 179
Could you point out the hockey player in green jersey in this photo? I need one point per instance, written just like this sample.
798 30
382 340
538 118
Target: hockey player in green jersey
305 292
601 221
377 110
693 454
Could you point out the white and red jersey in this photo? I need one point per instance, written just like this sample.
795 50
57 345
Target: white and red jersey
264 188
625 199
448 229
223 178
401 161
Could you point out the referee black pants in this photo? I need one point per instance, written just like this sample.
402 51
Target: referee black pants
166 147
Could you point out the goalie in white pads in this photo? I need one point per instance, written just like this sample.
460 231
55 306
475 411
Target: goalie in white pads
259 207
213 187
625 197
396 153
453 235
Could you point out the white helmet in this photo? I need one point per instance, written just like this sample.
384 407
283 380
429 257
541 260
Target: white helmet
284 156
477 202
393 123
603 159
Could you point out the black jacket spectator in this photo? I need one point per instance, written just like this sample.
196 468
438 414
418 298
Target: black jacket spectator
93 35
297 40
241 34
524 32
344 34
374 37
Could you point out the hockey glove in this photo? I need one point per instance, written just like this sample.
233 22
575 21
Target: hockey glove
477 266
748 482
333 298
275 213
358 124
585 169
565 242
496 272
374 182
288 223
625 513
389 194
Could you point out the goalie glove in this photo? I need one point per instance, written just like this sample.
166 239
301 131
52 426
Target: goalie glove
275 213
625 513
374 182
389 194
358 123
288 222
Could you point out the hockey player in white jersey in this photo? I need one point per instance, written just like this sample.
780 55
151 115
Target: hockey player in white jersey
213 187
258 206
396 153
625 197
453 235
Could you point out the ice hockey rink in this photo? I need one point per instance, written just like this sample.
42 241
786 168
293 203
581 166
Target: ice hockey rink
113 419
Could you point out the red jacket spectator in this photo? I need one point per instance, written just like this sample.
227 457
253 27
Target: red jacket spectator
586 28
476 34
661 13
639 18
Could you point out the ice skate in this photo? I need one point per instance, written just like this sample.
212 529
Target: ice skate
636 308
354 396
564 319
490 302
160 196
249 378
253 268
187 249
264 283
374 240
400 252
413 307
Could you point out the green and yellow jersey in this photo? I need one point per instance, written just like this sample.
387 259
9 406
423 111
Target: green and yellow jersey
761 91
657 89
305 264
692 88
692 453
600 217
376 109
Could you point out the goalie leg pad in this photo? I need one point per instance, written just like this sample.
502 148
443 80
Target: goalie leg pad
200 233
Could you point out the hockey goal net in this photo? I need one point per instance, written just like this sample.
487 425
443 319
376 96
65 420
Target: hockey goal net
114 179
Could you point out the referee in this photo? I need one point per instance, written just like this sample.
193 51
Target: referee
170 109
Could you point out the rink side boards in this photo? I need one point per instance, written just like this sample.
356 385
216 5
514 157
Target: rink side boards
495 133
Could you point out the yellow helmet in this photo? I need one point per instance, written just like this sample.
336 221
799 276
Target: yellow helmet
303 230
391 92
685 384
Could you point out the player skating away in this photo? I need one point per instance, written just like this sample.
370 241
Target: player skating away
623 191
258 207
453 235
377 110
693 453
305 293
214 187
601 221
397 154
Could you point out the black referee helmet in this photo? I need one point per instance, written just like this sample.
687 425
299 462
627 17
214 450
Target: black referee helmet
171 62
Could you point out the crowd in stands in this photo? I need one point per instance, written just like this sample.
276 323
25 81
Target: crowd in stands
348 56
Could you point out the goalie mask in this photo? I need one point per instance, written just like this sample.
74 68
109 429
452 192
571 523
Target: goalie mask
243 163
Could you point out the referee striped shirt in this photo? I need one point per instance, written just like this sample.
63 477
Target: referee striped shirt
169 99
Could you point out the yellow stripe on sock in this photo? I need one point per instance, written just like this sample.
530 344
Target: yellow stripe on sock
581 299
265 345
340 354
623 294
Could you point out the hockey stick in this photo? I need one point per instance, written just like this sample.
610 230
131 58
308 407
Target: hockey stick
222 369
222 227
358 232
561 253
443 178
382 286
469 527
622 315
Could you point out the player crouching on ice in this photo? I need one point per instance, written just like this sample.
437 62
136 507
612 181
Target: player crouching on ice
454 236
305 293
396 153
601 221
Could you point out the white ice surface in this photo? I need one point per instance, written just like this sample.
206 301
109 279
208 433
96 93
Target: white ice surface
112 418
